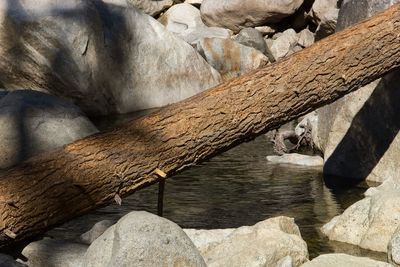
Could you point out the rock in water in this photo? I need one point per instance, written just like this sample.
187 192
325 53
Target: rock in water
54 253
344 260
263 244
107 56
185 21
143 239
152 7
8 261
239 14
359 133
297 159
370 222
230 58
33 122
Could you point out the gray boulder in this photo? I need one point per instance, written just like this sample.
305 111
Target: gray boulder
305 38
344 260
239 14
143 239
284 44
152 7
230 58
8 261
325 15
252 38
97 230
371 222
32 122
263 244
359 133
54 253
184 20
107 56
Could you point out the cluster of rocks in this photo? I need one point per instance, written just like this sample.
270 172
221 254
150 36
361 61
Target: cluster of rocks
143 239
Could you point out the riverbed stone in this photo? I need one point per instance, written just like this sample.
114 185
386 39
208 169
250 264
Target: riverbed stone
371 222
238 14
97 230
359 133
344 260
152 7
252 38
325 14
297 159
33 122
184 20
8 261
143 239
230 58
196 3
54 253
393 249
263 244
107 56
305 38
284 44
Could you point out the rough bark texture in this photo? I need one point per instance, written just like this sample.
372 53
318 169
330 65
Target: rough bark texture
57 186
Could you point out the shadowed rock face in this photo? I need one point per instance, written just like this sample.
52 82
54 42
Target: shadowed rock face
360 141
105 55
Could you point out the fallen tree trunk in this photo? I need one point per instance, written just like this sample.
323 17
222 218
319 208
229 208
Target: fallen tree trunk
57 186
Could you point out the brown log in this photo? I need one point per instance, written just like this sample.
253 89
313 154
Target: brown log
54 187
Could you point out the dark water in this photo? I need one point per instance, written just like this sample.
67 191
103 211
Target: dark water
239 188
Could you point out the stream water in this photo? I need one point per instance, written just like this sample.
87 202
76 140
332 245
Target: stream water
238 188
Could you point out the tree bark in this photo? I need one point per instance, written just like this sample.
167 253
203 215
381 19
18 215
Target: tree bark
54 187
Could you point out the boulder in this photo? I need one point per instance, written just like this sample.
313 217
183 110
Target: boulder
394 248
33 122
152 7
238 14
230 58
107 56
54 253
143 239
252 38
184 20
325 15
8 261
284 44
370 222
305 38
97 230
344 260
297 159
359 133
263 244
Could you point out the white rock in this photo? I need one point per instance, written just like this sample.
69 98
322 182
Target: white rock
344 260
238 14
325 14
184 20
265 30
152 7
284 44
252 38
263 244
110 58
97 230
194 2
394 248
306 38
143 239
230 58
370 222
54 253
297 159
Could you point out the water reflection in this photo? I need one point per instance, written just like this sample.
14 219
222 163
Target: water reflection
239 188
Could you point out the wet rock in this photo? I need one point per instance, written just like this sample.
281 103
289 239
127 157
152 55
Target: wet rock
252 38
305 38
143 239
394 248
238 14
230 58
263 244
33 122
370 222
184 20
8 261
284 44
54 253
111 59
152 7
344 260
297 159
97 230
325 14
